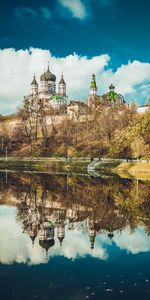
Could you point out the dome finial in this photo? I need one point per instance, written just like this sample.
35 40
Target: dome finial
111 87
34 82
48 66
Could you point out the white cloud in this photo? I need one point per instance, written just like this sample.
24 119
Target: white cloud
25 12
130 75
18 67
46 13
76 7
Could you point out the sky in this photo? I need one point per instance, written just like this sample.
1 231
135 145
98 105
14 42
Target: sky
78 37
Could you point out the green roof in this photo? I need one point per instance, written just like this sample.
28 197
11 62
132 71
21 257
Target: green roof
113 96
57 98
93 83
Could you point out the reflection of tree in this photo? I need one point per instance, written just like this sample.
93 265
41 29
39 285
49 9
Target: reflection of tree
46 202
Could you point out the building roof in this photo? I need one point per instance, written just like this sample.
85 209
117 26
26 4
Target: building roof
34 82
48 76
60 240
62 80
43 77
111 87
93 83
57 98
111 96
92 240
46 244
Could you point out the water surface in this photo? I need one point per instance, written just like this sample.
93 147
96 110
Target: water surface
73 237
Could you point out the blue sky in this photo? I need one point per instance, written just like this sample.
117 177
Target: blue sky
89 28
117 27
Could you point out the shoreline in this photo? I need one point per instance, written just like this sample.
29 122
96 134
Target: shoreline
125 169
44 164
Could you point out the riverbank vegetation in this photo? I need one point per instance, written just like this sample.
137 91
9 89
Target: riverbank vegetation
117 132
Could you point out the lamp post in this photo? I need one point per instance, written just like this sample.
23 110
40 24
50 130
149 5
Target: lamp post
6 154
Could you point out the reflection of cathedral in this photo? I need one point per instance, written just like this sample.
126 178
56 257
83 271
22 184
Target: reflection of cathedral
43 223
39 223
51 207
46 236
91 231
61 232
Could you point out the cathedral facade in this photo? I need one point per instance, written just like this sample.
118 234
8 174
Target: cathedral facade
46 90
57 98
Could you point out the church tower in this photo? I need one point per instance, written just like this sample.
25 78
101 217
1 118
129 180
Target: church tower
93 87
91 231
34 86
46 236
61 232
62 87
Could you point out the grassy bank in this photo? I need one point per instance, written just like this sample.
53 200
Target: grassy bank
139 170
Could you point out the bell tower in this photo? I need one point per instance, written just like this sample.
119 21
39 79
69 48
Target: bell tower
62 87
93 87
34 86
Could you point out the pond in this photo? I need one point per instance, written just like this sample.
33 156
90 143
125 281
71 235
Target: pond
73 237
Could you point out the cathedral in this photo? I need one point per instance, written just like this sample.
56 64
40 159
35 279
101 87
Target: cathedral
58 99
47 90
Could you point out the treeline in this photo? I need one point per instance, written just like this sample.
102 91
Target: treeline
104 131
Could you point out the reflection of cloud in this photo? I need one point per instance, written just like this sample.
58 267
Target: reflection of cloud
17 247
78 245
135 242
